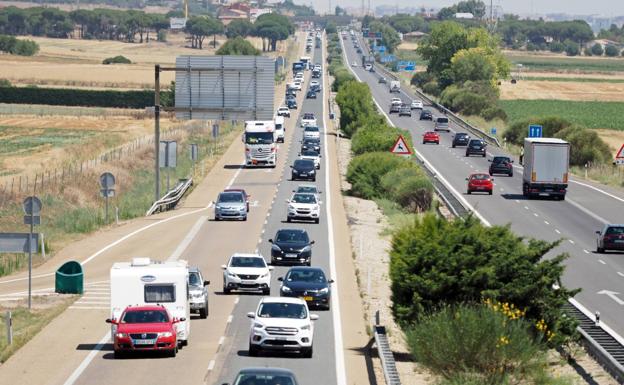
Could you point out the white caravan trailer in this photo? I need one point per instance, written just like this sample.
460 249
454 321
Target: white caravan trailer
146 282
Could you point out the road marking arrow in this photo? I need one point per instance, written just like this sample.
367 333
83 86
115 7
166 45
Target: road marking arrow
612 295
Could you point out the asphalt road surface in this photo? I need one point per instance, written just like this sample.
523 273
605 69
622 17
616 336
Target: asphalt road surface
586 209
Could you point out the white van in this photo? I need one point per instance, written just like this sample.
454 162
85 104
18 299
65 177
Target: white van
280 129
146 282
441 124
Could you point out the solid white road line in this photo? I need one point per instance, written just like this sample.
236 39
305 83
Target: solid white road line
83 365
601 261
620 274
177 253
341 372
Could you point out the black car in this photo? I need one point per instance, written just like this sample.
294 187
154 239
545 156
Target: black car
358 50
291 103
501 165
311 144
476 146
291 246
461 139
303 169
315 87
382 80
311 94
308 283
426 115
395 108
265 376
405 110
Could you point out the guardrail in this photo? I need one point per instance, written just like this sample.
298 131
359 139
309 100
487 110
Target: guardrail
171 198
391 375
450 114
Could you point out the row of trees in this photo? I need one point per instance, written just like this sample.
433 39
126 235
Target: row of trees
539 34
613 33
9 44
597 50
476 7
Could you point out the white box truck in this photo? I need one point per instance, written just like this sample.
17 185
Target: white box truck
546 167
260 147
395 86
146 282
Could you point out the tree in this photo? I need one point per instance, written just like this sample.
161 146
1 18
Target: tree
201 26
473 65
476 7
447 13
597 50
571 48
238 46
389 36
611 50
239 27
434 262
274 28
440 46
330 27
159 23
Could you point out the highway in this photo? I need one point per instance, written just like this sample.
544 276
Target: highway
586 209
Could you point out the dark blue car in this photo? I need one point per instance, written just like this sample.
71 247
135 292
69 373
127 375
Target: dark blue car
308 283
291 104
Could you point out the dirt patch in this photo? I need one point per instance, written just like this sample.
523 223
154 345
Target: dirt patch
577 91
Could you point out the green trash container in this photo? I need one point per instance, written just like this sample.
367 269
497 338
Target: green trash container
69 278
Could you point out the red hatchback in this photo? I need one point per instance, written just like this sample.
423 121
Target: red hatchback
431 137
480 182
145 328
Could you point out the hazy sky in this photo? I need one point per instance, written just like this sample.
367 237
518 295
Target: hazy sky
584 7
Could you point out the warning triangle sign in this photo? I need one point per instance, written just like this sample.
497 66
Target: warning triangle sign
620 154
400 147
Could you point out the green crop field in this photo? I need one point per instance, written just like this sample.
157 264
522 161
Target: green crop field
535 63
589 114
18 140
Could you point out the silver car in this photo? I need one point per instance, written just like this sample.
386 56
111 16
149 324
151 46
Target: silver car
230 205
198 292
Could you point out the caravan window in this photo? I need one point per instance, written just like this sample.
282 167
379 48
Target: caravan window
159 293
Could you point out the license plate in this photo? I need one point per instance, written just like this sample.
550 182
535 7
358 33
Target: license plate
619 241
144 342
303 174
281 338
544 194
291 255
308 298
244 282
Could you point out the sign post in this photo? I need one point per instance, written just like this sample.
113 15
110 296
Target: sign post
194 153
168 157
107 189
32 209
535 131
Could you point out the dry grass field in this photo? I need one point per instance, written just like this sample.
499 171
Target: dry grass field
568 90
78 63
71 7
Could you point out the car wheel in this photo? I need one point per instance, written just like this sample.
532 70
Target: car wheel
217 219
490 192
490 173
467 154
317 220
469 192
306 352
424 142
244 218
288 219
483 155
453 146
173 352
600 250
226 290
118 354
266 291
203 313
511 174
314 179
253 350
437 142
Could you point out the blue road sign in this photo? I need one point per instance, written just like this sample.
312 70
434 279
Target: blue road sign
404 65
535 131
493 130
380 48
388 59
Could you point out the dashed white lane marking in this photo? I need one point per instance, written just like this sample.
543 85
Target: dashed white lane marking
526 207
221 340
211 365
517 201
585 251
557 231
546 222
230 318
571 241
601 261
535 214
620 274
236 300
502 189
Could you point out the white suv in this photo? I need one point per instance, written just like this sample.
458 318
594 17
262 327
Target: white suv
311 131
247 272
303 206
282 323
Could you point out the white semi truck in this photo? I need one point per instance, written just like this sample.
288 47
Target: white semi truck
260 143
546 167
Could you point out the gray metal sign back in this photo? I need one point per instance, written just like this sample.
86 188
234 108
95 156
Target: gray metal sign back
194 152
17 242
107 180
32 206
224 87
168 153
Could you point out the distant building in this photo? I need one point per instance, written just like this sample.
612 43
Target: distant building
254 13
464 15
227 14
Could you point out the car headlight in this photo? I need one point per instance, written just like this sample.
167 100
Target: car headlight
291 208
218 207
230 274
121 335
165 334
264 275
306 249
197 295
306 327
324 290
286 289
295 171
258 325
276 248
242 208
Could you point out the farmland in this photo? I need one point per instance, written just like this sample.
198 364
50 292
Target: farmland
559 63
589 114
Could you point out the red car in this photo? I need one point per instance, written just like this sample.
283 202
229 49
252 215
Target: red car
145 328
431 137
480 182
247 196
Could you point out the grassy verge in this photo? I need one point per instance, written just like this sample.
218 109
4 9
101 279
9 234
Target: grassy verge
75 208
397 216
27 323
588 114
563 64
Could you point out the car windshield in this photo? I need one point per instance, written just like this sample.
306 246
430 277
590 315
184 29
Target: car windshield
615 230
304 164
476 143
480 177
144 317
461 136
259 137
303 198
500 159
231 197
442 120
308 116
310 153
247 262
308 275
194 279
426 112
292 236
311 129
282 310
307 189
263 379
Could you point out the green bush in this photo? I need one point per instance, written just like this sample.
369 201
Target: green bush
355 101
557 46
476 345
341 77
238 46
434 261
162 36
365 172
409 187
5 83
10 44
494 112
432 88
119 59
585 146
572 48
375 135
519 130
597 50
532 47
611 50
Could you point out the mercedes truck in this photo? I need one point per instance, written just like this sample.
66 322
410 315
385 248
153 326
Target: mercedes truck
260 143
546 167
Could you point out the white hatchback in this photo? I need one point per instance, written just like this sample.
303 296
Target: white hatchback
247 272
310 131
